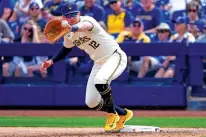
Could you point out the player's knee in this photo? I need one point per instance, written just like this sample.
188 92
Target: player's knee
91 103
102 87
104 90
101 106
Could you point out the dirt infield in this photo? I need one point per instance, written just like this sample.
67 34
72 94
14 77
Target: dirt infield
95 132
99 132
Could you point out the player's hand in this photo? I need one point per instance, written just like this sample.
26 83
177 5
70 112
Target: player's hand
65 24
73 60
45 65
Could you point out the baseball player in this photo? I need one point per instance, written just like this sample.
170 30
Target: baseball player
109 62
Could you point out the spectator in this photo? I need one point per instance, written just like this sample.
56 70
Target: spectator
20 15
202 38
53 9
153 63
24 66
163 32
93 10
21 10
193 29
117 19
192 10
182 35
132 6
6 9
6 36
150 15
35 14
136 35
202 7
164 6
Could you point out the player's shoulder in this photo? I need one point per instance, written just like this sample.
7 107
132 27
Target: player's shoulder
87 18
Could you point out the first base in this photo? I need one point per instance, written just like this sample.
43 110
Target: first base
133 128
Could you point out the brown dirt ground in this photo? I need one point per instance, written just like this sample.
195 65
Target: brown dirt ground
98 132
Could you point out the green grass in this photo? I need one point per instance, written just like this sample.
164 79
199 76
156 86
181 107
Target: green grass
99 122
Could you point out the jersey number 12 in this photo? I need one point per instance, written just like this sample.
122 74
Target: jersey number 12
94 44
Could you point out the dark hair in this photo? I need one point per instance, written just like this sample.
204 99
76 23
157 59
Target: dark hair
192 4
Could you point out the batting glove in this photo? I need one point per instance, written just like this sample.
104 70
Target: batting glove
45 65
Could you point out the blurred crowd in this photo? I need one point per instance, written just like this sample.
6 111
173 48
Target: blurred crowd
133 21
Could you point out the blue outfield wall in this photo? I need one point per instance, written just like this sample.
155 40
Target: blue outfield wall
125 93
67 95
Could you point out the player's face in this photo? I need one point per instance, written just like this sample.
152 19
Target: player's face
73 18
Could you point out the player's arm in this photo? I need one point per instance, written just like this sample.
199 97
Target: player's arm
80 27
61 54
83 26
